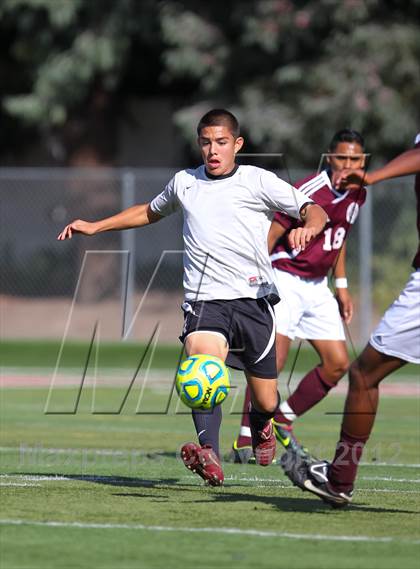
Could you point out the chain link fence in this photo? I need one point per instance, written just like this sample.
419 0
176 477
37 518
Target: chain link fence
49 288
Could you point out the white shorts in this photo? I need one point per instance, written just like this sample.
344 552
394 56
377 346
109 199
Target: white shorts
307 308
398 333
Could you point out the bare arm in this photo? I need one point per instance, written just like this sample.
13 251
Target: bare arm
406 163
403 165
314 219
345 302
339 270
134 216
275 233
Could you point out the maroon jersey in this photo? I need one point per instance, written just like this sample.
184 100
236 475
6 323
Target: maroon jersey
416 261
321 253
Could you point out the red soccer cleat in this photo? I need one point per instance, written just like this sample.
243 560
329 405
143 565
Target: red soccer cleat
204 462
264 444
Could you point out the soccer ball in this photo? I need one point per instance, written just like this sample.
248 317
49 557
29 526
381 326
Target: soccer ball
202 381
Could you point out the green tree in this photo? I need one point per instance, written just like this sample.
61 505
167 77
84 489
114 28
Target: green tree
70 62
297 71
294 71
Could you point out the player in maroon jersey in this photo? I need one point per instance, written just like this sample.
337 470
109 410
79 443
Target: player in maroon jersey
308 308
394 342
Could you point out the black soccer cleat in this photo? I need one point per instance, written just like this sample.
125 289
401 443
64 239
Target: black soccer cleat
295 468
317 482
241 455
313 477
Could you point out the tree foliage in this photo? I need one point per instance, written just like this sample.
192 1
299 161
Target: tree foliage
68 62
293 71
297 71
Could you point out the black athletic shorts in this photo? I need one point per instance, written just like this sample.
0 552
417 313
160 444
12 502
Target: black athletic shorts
248 324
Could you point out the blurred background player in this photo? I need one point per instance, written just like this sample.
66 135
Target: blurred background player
394 342
308 309
227 214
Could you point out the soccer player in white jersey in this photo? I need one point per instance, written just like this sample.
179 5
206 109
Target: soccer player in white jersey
228 279
394 342
308 309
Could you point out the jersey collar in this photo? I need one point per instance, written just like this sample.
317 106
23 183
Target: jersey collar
223 176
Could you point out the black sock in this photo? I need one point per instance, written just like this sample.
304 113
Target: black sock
207 425
258 420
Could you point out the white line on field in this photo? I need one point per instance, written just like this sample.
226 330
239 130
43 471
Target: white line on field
257 479
388 491
50 450
231 531
280 483
288 485
391 479
399 465
18 484
93 478
33 478
258 482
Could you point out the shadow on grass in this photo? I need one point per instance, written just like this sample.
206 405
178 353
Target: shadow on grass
119 481
221 495
310 504
283 504
150 497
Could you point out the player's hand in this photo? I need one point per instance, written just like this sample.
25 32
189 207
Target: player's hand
345 304
300 237
77 226
350 179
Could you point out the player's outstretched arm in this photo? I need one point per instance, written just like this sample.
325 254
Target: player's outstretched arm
135 216
314 219
403 165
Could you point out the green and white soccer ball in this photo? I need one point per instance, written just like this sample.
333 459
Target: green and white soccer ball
202 381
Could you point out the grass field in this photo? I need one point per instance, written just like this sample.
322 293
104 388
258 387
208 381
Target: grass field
43 354
94 490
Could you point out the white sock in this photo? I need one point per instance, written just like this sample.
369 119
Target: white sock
287 411
245 432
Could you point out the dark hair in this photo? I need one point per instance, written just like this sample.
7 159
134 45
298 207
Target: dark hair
346 135
219 117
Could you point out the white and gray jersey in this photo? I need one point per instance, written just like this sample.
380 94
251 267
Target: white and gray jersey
226 224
